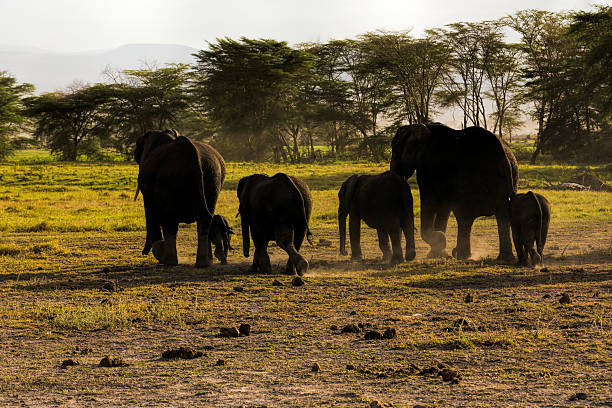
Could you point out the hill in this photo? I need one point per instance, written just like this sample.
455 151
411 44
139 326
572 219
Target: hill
50 71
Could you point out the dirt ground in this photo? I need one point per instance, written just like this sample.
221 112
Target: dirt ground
511 344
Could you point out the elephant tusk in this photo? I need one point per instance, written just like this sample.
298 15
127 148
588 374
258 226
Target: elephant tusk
137 191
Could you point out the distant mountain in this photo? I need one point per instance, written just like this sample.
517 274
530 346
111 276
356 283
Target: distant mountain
50 71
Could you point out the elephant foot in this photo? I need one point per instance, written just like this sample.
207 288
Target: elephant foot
461 255
356 257
203 263
410 255
343 252
506 258
163 254
437 253
396 260
301 267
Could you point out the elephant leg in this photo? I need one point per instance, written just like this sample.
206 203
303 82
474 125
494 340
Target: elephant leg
518 245
503 231
203 255
284 238
165 250
261 259
535 257
396 245
407 225
464 230
154 232
441 219
383 244
435 239
355 235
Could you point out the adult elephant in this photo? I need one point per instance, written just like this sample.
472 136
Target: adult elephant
180 180
277 209
384 202
470 172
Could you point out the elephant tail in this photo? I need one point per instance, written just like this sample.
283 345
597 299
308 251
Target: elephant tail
538 207
301 204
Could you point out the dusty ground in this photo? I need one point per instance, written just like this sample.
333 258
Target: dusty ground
91 294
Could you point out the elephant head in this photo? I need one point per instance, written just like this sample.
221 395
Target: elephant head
407 149
345 196
150 141
220 236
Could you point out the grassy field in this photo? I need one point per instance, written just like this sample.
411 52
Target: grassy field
73 285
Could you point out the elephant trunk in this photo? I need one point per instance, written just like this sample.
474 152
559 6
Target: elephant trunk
342 229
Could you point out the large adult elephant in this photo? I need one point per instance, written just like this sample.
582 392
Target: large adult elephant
180 180
470 172
277 209
384 202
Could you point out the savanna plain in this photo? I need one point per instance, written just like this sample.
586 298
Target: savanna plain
74 285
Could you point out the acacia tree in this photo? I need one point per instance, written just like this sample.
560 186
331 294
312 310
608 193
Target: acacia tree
472 47
364 98
145 99
243 87
545 47
11 116
70 120
415 68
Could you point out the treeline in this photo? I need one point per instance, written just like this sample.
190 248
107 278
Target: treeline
257 99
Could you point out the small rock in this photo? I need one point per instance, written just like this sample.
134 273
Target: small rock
110 361
376 404
545 269
105 270
182 352
565 299
448 374
333 327
578 396
244 329
220 362
351 328
373 335
350 367
297 281
70 362
275 282
315 368
353 313
546 296
389 333
469 298
238 289
228 332
86 350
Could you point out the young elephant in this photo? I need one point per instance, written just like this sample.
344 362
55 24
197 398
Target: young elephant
220 236
275 208
384 202
530 216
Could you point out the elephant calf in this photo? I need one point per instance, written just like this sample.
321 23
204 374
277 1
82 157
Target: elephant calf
530 216
274 208
384 202
220 236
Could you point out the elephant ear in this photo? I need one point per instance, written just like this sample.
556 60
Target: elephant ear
345 195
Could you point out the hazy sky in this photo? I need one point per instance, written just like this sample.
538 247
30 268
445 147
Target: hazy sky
78 25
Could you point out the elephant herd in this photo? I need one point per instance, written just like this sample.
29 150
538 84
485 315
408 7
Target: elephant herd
470 172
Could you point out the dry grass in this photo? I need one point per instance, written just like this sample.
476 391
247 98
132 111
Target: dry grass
74 285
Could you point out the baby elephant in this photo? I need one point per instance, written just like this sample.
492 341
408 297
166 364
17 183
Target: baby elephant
277 209
220 236
530 216
384 202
